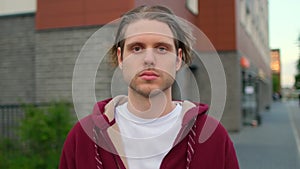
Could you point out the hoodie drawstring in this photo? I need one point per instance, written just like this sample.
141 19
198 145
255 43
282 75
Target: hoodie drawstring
99 164
191 144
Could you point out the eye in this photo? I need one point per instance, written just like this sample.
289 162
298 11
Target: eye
136 49
162 49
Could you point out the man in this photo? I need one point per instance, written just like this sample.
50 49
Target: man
147 129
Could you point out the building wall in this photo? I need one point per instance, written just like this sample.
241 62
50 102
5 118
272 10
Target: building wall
253 34
17 46
179 7
276 69
66 13
37 66
253 43
57 52
232 114
217 20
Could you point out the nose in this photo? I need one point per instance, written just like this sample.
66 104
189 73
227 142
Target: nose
149 58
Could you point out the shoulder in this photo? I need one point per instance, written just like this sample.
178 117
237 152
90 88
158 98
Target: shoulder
81 130
77 148
210 129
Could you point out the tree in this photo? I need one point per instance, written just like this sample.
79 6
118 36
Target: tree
297 81
276 83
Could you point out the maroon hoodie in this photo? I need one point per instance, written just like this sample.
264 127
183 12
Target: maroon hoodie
202 142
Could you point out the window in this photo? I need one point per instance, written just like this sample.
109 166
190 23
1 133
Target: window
249 4
192 6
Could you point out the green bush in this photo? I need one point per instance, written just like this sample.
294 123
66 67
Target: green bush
276 83
41 136
297 81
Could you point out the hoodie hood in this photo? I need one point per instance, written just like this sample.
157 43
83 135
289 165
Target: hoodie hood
103 113
108 133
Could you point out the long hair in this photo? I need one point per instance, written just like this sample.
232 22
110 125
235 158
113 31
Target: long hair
182 34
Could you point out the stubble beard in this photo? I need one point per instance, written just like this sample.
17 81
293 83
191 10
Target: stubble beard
149 92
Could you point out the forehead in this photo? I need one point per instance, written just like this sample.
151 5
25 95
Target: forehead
144 26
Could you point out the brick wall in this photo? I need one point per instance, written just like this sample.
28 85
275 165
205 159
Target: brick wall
56 55
37 66
17 59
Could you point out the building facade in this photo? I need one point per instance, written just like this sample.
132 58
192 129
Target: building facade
276 70
39 50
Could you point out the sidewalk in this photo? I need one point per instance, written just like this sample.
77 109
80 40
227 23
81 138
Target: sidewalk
273 145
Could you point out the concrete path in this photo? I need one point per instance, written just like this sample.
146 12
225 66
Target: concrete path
273 145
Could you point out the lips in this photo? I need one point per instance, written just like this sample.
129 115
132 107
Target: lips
148 75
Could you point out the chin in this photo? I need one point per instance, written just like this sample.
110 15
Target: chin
148 90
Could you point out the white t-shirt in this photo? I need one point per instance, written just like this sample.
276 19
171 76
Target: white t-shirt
147 141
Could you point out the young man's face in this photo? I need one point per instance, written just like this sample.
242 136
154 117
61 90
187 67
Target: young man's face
150 59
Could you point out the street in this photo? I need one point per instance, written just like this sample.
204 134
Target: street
275 144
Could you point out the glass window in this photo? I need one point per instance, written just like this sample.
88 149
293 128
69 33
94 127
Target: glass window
192 5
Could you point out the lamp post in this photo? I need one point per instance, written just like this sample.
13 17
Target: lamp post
297 76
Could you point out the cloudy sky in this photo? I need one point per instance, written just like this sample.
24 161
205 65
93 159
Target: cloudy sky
284 27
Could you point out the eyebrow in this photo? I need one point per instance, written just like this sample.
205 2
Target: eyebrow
130 45
168 45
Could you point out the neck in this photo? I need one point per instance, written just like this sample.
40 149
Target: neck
158 104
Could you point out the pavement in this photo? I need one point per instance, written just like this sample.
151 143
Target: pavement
275 144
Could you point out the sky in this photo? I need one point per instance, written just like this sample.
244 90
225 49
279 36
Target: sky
284 29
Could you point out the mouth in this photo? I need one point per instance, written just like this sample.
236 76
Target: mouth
148 75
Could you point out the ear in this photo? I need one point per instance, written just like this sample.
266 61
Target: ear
119 55
179 59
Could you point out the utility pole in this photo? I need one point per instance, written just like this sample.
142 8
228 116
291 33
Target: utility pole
297 76
298 64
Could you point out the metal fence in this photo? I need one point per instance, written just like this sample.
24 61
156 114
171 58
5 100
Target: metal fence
10 116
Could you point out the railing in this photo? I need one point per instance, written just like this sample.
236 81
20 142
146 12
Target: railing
10 117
